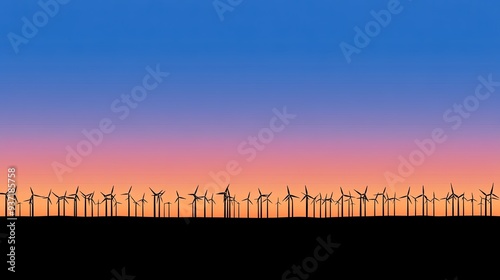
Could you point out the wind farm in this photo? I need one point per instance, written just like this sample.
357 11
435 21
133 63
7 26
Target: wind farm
310 205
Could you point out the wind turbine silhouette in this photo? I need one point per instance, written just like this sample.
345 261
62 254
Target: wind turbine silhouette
424 197
306 197
212 202
362 201
48 201
168 203
225 195
330 201
313 202
452 196
98 203
142 201
394 199
205 200
383 201
375 201
472 203
267 201
433 200
259 203
278 203
106 198
5 194
195 198
178 201
75 198
289 198
491 196
408 202
31 202
342 201
86 200
116 207
92 203
135 206
156 199
128 200
320 200
64 200
20 213
249 201
446 202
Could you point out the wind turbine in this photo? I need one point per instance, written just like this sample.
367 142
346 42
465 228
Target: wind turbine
424 198
225 195
98 203
116 207
342 201
330 201
433 200
92 203
306 197
259 203
143 200
267 200
178 200
472 203
128 200
247 199
20 212
205 200
313 202
195 198
408 202
492 196
446 202
164 214
212 202
5 194
31 202
48 201
452 197
156 198
362 201
106 198
289 198
86 200
278 207
383 201
135 206
320 200
64 200
375 201
75 198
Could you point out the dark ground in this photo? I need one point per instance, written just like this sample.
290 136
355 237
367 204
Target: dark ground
158 248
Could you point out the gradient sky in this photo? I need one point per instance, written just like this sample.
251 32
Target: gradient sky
353 120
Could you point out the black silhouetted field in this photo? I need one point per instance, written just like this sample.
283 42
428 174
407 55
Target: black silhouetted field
177 248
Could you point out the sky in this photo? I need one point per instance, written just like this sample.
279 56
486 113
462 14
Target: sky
171 95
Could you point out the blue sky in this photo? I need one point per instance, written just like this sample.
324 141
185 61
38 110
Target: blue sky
263 54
